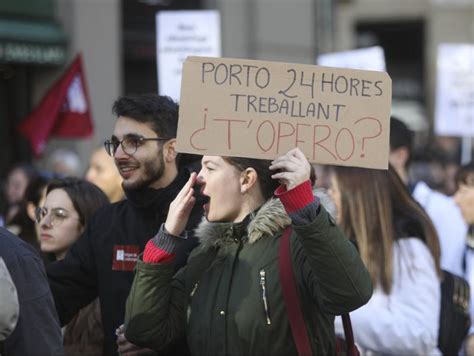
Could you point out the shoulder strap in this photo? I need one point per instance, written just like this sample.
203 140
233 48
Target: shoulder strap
351 348
293 305
291 298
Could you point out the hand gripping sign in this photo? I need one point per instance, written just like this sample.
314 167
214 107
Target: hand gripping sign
258 109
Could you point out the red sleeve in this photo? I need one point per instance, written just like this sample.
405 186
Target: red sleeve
153 254
296 198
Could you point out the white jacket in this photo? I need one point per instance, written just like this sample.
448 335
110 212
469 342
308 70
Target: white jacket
452 231
407 320
449 224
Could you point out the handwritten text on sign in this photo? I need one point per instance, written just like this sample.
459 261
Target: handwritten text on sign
234 107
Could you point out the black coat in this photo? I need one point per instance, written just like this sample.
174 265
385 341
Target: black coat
37 331
95 264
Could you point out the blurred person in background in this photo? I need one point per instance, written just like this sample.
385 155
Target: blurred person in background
64 162
400 248
24 220
464 198
442 210
451 147
428 167
37 331
104 174
436 167
34 198
17 180
68 206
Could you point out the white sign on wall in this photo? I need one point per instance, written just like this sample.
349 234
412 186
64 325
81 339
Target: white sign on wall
371 58
180 34
455 90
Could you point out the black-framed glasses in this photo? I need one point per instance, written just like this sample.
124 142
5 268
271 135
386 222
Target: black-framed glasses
129 144
56 215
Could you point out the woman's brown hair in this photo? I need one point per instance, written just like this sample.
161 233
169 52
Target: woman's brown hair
264 174
377 209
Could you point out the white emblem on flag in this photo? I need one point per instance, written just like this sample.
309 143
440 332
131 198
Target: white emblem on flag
75 96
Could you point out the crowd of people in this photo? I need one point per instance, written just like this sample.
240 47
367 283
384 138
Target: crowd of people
155 252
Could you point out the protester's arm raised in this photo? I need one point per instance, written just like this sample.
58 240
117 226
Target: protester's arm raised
293 168
154 311
181 207
332 269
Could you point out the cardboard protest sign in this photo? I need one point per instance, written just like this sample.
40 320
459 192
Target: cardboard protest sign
259 109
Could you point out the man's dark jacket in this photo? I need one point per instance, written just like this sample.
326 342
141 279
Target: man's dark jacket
89 269
37 331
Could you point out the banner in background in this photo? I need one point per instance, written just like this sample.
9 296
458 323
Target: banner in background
63 112
180 34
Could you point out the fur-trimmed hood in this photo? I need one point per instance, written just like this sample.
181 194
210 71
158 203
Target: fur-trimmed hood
265 222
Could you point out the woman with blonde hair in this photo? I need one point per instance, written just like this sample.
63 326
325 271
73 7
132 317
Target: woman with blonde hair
400 248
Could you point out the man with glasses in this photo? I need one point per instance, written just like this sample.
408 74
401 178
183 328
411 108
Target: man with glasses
101 262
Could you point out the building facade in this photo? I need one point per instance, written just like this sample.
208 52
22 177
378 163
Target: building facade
38 38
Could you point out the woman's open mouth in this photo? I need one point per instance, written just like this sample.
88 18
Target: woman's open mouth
205 199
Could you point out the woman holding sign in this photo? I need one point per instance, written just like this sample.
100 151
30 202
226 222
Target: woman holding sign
228 299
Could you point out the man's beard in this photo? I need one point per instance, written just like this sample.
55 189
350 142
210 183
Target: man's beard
152 171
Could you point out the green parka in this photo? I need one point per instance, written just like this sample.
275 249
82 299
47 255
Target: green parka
228 299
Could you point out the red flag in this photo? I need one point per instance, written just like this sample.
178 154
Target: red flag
63 112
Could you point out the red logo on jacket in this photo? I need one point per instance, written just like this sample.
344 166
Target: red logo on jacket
125 257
